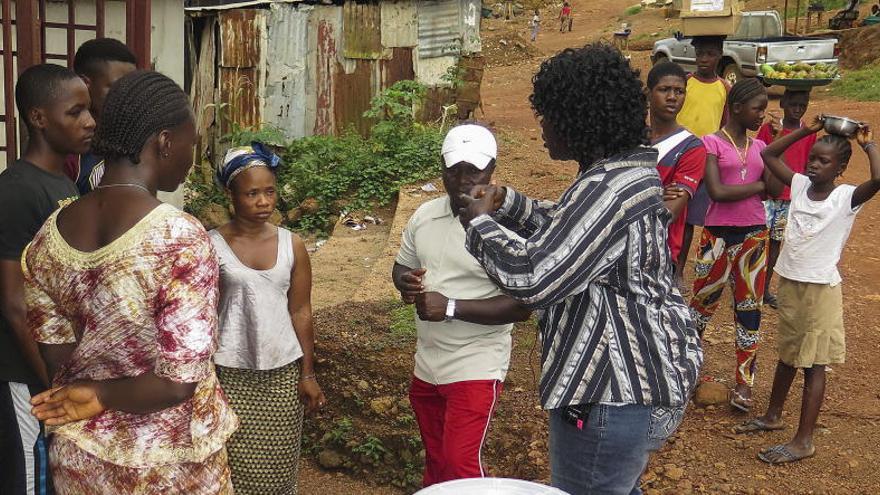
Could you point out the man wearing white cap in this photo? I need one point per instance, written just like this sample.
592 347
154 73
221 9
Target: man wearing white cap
463 322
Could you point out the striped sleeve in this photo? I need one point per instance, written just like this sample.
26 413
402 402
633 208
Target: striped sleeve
570 249
522 214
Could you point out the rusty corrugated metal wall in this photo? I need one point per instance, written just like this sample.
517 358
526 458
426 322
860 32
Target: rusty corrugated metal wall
241 32
313 69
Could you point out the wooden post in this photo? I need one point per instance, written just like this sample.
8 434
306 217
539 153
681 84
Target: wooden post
785 19
797 15
27 24
138 28
99 18
8 77
71 33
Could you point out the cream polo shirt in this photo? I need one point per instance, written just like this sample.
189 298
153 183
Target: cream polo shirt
452 351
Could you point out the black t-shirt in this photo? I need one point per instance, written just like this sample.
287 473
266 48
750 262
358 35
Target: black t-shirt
28 195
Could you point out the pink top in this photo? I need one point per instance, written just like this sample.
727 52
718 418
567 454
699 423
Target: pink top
746 212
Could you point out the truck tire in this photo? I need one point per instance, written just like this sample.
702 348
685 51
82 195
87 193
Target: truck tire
731 73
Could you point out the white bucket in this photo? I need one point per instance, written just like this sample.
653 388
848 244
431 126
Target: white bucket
489 486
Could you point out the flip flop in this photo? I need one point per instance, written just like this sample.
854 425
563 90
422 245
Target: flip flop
739 402
783 455
756 424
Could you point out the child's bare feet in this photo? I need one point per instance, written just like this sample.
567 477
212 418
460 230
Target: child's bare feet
790 452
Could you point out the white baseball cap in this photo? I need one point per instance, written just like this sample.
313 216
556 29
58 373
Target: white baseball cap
469 143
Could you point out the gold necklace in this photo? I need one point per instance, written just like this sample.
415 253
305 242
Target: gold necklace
743 156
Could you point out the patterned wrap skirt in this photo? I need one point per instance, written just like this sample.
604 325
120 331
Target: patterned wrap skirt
264 451
77 472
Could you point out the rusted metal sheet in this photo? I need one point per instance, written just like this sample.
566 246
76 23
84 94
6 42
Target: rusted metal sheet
352 93
362 31
241 32
400 24
240 97
399 67
440 28
240 37
285 79
325 69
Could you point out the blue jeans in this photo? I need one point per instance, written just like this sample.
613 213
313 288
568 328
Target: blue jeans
610 453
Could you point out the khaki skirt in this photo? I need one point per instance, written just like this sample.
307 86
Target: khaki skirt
810 324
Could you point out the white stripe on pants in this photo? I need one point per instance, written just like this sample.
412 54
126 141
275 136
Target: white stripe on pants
28 428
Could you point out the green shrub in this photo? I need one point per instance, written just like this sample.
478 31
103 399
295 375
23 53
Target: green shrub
323 176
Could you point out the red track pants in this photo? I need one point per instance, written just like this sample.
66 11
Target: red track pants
454 421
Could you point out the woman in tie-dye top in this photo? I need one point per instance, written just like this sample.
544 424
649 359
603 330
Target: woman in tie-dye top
121 292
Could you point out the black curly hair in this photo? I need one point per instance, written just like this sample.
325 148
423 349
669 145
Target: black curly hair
92 54
593 100
664 69
39 86
138 106
841 145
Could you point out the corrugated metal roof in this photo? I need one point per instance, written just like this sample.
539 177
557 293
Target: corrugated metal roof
400 24
285 83
440 28
362 31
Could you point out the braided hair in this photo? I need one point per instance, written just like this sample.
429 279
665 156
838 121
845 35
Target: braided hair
138 106
744 90
841 145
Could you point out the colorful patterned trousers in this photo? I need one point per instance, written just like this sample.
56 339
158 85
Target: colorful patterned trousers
737 257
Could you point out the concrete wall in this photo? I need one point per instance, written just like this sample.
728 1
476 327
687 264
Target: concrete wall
167 51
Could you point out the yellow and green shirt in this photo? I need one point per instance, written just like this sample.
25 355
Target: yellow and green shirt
704 105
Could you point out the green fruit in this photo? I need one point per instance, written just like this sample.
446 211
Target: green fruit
821 75
803 67
782 67
766 69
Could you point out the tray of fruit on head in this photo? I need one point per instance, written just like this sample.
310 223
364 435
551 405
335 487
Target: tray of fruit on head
798 75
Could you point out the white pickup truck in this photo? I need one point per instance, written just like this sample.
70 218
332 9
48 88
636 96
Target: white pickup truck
759 40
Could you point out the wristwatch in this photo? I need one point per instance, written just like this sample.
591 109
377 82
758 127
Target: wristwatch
450 310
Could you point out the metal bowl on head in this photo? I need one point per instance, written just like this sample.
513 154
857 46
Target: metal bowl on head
841 126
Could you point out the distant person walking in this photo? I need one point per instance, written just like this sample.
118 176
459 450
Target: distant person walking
535 25
565 17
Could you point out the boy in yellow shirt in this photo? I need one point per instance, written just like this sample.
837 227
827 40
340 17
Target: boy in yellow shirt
703 113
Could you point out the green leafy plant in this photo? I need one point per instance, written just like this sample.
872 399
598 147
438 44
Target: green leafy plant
341 431
454 76
371 448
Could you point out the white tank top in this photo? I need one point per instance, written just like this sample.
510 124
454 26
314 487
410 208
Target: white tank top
256 331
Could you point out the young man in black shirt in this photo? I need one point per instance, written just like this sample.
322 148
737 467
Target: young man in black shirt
54 104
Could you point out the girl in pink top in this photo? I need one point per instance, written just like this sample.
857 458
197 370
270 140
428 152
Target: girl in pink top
734 240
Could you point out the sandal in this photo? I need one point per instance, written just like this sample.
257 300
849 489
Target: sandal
781 455
738 402
756 424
